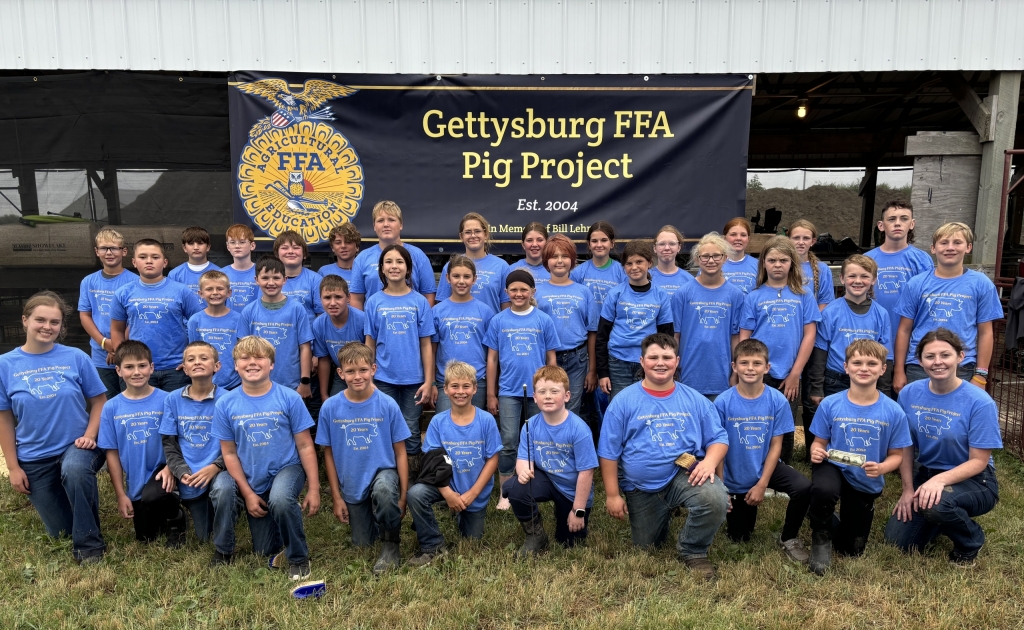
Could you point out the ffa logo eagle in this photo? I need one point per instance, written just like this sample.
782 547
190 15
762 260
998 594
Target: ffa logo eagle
298 172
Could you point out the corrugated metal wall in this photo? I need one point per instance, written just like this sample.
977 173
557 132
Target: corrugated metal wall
513 36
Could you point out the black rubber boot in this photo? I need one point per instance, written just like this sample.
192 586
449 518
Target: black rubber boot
390 555
536 538
821 552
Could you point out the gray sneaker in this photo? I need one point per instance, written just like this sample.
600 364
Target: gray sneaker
423 558
794 550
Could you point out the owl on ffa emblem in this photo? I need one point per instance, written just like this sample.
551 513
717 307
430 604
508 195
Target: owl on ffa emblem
298 172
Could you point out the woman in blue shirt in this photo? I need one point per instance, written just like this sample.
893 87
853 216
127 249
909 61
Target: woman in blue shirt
957 428
398 330
50 402
490 271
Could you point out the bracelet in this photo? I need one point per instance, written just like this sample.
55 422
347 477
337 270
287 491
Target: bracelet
980 379
103 344
981 372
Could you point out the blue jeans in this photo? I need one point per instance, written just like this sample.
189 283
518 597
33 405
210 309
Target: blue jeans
915 372
283 523
576 364
167 380
338 384
64 493
952 516
623 374
405 396
110 380
377 512
510 410
422 498
835 382
524 498
216 512
479 398
651 512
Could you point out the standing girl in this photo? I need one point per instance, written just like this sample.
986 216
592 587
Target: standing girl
460 323
535 235
817 275
573 309
489 286
781 314
519 341
632 310
666 275
601 272
706 314
957 429
856 316
740 269
398 330
50 403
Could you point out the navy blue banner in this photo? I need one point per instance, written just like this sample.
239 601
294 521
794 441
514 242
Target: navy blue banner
312 151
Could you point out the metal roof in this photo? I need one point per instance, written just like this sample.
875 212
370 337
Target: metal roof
513 36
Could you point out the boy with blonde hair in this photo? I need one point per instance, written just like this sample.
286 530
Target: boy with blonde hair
217 325
952 297
241 243
95 298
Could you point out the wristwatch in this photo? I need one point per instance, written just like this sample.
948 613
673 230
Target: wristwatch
304 380
579 513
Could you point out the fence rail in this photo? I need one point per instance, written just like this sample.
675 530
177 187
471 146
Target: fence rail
1006 385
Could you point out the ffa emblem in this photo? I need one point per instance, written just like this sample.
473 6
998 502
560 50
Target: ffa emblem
298 172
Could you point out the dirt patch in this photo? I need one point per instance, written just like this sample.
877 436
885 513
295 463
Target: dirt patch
832 209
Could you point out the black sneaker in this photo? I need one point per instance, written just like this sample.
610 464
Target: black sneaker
221 559
176 530
963 561
298 571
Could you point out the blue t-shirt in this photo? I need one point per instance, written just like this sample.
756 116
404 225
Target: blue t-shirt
191 421
263 429
95 297
397 323
132 428
647 433
959 304
305 289
742 273
634 316
469 447
287 329
183 274
751 425
562 451
840 326
706 319
869 430
895 271
539 272
670 283
777 317
945 427
459 330
328 340
366 280
156 315
599 280
221 333
826 291
332 269
362 438
522 342
244 289
489 286
573 309
47 394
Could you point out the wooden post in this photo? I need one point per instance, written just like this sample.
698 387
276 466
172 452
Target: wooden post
27 190
1004 90
867 207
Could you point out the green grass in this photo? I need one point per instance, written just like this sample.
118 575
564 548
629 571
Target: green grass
605 584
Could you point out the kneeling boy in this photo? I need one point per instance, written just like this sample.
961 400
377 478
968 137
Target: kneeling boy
263 428
556 463
756 417
207 490
468 438
363 434
129 430
670 441
859 436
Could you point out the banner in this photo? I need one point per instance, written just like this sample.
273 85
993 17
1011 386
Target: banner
312 151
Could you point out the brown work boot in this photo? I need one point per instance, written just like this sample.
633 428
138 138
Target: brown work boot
701 568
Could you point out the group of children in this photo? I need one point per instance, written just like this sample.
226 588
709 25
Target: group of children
231 366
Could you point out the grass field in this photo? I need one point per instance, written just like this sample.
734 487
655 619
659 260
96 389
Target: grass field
606 584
